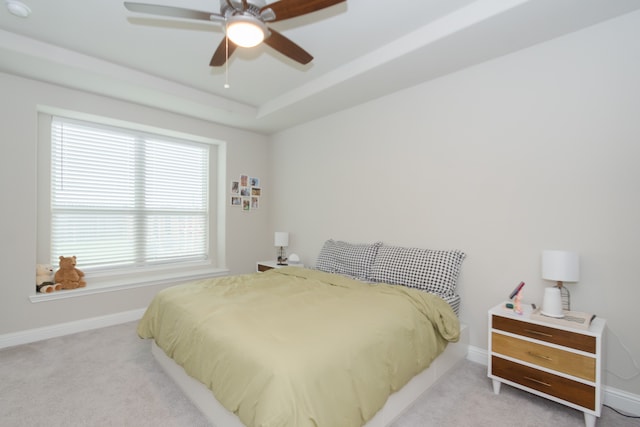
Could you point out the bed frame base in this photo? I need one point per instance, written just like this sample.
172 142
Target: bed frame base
219 416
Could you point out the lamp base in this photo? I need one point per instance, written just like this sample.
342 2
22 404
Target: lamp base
282 256
552 303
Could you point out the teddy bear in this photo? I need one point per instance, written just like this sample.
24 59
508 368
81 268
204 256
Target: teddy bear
44 279
68 276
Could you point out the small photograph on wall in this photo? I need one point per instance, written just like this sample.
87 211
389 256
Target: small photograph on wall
235 187
255 202
246 204
236 201
255 191
254 181
244 180
245 191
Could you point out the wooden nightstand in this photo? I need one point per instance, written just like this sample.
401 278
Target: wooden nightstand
559 363
268 265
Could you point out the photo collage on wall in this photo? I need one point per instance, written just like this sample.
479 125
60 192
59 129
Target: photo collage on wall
245 193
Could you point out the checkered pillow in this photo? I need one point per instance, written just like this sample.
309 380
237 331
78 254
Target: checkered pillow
429 270
351 259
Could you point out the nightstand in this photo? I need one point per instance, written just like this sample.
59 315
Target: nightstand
559 363
268 265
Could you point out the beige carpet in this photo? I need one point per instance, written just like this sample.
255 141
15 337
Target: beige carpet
108 377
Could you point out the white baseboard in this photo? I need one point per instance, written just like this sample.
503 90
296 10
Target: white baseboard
39 334
477 355
623 401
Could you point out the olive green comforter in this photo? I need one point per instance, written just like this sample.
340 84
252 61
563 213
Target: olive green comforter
295 347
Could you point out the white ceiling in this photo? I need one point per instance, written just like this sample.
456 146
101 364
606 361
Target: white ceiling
363 49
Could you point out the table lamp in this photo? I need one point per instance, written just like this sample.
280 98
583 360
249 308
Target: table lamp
281 240
559 266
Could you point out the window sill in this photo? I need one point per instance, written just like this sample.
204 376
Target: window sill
124 285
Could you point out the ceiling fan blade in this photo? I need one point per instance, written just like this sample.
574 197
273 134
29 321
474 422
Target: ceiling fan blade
285 9
220 55
170 11
287 47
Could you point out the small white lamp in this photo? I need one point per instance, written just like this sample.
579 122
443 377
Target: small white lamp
559 266
281 240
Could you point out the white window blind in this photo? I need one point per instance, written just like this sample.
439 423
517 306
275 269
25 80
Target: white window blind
126 199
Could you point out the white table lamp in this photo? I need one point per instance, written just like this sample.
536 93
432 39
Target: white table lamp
559 266
281 240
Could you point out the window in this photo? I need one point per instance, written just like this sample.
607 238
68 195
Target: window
126 201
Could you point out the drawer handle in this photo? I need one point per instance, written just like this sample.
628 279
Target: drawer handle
531 331
539 356
538 381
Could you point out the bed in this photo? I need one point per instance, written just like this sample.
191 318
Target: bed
300 347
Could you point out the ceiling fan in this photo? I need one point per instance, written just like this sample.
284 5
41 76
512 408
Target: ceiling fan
246 23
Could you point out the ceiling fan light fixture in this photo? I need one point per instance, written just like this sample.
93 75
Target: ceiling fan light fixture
245 31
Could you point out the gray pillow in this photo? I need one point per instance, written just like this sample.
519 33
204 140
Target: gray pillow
434 271
351 259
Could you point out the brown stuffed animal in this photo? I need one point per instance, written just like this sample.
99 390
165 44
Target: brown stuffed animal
68 275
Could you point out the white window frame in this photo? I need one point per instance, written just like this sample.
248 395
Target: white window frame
108 281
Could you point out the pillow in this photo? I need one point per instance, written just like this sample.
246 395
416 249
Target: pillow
351 259
429 270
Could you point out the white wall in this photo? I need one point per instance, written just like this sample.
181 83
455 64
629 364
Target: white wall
536 150
247 233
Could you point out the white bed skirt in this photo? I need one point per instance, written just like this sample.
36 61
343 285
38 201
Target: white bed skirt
219 416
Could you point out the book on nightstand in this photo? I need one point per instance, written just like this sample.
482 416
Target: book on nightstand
571 319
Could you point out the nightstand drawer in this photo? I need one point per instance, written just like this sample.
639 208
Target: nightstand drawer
572 391
559 360
545 333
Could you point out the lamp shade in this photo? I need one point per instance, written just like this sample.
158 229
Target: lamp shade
281 238
561 266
